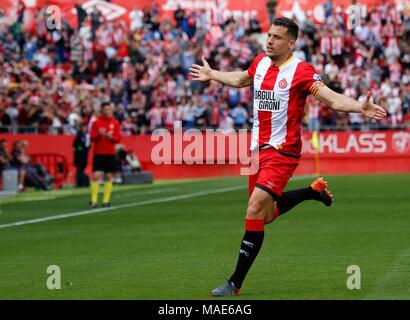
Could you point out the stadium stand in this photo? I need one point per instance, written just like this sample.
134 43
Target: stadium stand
53 80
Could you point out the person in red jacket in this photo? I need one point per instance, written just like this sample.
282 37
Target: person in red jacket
105 134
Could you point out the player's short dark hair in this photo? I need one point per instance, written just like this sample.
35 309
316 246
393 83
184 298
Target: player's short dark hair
293 29
105 104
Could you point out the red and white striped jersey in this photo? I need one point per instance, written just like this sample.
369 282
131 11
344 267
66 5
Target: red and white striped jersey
279 100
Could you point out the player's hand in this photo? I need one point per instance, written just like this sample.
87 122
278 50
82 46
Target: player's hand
101 131
201 73
371 110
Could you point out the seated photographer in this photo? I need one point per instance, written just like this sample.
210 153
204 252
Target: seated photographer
30 174
128 160
5 157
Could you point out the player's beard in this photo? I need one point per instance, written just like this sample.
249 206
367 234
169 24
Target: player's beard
272 56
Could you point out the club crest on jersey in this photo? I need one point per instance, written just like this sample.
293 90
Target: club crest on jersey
258 76
283 84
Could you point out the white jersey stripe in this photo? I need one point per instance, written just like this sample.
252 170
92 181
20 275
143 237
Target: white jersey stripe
279 120
260 74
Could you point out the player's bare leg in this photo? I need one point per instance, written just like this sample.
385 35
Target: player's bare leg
95 185
272 214
259 210
109 177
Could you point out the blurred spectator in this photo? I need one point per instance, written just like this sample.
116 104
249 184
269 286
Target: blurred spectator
5 157
299 53
227 123
192 21
356 119
271 7
179 16
394 108
30 174
19 161
254 24
81 14
328 8
136 19
186 112
81 149
5 121
313 114
239 115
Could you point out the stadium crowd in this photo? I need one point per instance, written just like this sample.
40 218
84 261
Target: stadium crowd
51 81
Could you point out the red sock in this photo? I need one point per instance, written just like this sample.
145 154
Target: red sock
254 225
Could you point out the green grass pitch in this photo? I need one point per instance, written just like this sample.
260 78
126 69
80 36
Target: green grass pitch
175 240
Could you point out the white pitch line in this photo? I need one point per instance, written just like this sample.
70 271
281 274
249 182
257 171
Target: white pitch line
128 205
140 193
134 204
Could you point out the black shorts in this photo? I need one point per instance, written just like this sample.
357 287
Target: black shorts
104 163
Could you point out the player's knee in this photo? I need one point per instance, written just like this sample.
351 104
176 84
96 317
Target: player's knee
269 218
272 215
255 210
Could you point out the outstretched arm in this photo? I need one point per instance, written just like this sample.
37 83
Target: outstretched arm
236 79
339 102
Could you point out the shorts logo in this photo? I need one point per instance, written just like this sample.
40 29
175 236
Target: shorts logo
271 184
283 84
